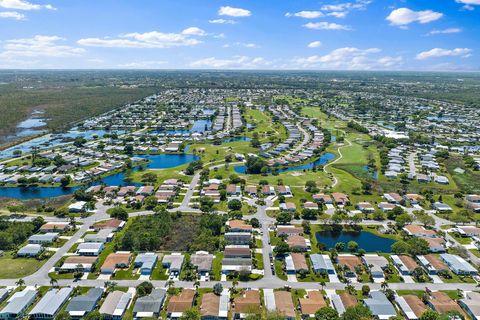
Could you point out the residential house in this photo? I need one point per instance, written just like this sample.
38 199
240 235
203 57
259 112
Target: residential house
30 250
321 263
180 303
81 263
442 303
349 263
342 301
246 303
114 224
432 264
18 304
90 248
310 304
174 262
289 230
298 243
458 265
116 260
149 306
287 206
146 262
419 231
239 226
55 227
376 264
471 304
202 260
379 305
435 244
411 306
115 305
340 199
405 264
238 238
50 304
214 307
81 305
43 238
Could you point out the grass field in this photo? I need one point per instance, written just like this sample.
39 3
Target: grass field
11 267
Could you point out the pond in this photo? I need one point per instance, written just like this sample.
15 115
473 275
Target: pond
366 240
236 139
200 126
164 161
158 161
53 140
324 158
373 174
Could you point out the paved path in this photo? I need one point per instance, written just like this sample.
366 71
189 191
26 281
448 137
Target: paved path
335 180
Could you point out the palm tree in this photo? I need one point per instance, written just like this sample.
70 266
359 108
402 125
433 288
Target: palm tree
196 284
20 282
384 285
170 283
322 284
53 282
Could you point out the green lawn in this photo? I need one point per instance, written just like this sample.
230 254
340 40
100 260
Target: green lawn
11 267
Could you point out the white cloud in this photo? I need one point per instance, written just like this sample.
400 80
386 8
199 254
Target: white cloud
445 31
12 15
315 44
38 46
142 64
326 26
469 2
404 16
237 62
23 5
153 39
439 52
349 58
305 14
194 31
222 21
234 12
337 14
340 10
242 44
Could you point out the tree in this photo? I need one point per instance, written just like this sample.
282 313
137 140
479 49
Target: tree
357 312
402 220
281 248
309 214
63 315
53 282
150 202
400 247
94 315
206 204
365 290
20 282
65 180
418 246
352 246
429 314
311 186
255 223
340 246
284 217
234 205
307 228
326 313
217 289
119 213
144 288
191 314
396 211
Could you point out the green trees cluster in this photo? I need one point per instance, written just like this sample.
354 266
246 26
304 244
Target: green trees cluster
147 233
14 233
413 246
255 165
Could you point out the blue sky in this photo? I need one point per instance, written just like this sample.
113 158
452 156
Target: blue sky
420 35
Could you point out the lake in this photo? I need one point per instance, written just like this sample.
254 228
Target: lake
324 158
158 161
366 240
236 139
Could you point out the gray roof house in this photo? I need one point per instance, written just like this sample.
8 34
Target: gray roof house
50 304
4 292
173 261
376 264
30 250
79 306
379 305
115 305
146 262
102 236
18 304
471 304
458 265
202 260
43 238
90 248
149 306
322 263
